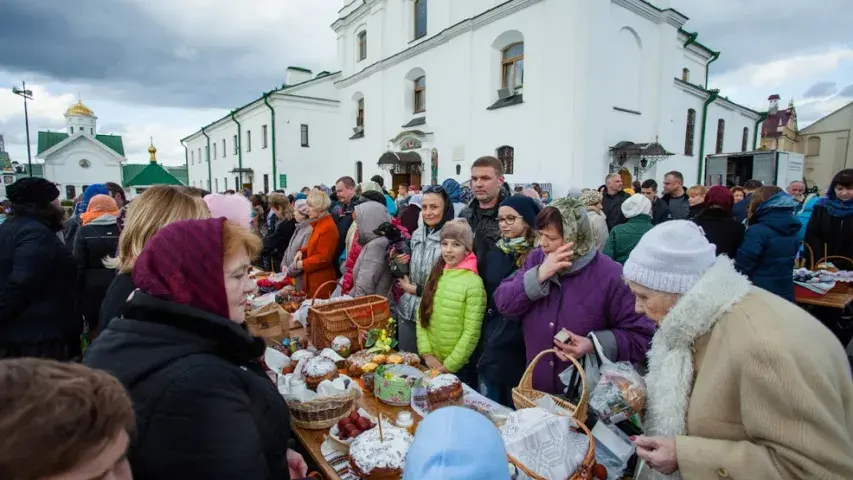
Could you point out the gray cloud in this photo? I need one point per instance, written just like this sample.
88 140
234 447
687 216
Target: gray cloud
820 89
121 51
764 30
14 132
846 92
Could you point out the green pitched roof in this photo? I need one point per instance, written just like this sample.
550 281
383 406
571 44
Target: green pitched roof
152 174
48 140
180 173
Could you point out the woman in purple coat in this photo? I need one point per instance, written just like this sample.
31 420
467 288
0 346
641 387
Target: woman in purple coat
566 283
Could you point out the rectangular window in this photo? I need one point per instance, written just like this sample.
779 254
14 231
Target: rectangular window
192 158
199 156
223 148
420 95
72 130
266 183
359 118
235 145
362 46
91 131
248 140
512 66
225 183
304 131
264 136
420 18
237 184
216 184
214 151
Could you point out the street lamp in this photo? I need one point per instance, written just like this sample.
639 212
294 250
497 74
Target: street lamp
28 95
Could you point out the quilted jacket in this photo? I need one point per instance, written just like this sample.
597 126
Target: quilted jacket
623 238
371 274
457 316
426 250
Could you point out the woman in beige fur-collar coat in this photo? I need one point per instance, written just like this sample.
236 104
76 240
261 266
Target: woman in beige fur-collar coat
742 384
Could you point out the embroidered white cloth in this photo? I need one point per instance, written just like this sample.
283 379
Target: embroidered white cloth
544 443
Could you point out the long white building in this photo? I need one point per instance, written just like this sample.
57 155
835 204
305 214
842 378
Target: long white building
562 92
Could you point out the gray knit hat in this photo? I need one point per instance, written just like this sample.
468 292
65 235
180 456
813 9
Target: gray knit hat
459 230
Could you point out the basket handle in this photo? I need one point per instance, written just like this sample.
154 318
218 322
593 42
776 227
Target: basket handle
840 257
811 255
359 328
314 298
527 378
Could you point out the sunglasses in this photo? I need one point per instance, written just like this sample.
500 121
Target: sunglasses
435 189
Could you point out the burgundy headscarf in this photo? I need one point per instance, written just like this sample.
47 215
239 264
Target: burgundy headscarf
183 263
720 196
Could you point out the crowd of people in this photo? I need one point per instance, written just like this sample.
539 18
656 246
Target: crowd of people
694 286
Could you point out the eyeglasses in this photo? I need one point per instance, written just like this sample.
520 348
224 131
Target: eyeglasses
435 189
507 220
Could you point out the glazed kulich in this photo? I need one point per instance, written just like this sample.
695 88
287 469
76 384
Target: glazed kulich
373 458
443 391
301 355
318 369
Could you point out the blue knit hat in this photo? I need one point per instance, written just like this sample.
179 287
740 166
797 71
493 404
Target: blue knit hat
525 206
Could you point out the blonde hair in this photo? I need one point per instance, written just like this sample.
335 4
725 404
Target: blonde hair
697 190
280 202
319 201
236 237
157 207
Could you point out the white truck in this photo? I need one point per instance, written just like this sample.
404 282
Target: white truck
772 167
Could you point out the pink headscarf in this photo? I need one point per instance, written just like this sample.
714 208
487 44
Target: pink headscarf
235 208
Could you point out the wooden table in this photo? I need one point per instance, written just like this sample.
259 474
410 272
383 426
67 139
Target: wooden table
313 439
831 300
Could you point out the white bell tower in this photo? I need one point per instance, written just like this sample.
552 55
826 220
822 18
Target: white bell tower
80 119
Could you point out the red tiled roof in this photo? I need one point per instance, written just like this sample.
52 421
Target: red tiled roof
770 127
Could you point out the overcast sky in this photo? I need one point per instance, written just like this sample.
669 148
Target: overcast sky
164 68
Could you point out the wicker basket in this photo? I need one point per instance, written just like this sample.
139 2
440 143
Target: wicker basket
524 396
322 412
588 470
840 287
346 318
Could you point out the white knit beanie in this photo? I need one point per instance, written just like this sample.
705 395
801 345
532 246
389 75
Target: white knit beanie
670 257
636 204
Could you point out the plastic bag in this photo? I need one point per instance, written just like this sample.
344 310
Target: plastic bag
619 393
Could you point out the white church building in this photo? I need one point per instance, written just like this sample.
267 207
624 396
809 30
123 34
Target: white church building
562 92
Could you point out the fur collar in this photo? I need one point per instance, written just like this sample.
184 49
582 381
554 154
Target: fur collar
670 377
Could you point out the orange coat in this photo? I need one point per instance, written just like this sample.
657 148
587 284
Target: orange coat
318 256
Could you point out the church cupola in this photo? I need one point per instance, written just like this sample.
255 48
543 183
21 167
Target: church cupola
80 119
152 152
773 103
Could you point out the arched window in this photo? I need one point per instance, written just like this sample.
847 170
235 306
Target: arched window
420 94
358 172
691 131
685 74
362 46
506 155
359 116
744 141
420 9
813 146
721 133
512 66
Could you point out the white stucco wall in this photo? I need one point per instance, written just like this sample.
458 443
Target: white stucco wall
63 166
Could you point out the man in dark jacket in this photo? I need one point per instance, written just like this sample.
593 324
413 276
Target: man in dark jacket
342 214
38 317
487 180
660 210
675 196
740 208
613 196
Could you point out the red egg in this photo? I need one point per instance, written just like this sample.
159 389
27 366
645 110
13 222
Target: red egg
350 428
363 424
343 423
354 416
355 433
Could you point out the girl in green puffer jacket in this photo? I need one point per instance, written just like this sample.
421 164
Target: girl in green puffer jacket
453 304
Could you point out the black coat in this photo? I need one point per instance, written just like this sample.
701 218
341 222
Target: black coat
679 207
276 242
93 243
721 229
740 208
612 208
833 235
484 223
201 411
115 299
37 278
660 212
503 352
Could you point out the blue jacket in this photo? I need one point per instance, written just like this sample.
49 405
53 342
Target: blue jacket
770 245
391 205
455 443
739 209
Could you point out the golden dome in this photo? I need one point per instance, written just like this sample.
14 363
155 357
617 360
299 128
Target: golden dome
152 149
80 109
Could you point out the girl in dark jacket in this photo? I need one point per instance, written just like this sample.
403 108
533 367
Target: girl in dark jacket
771 241
503 358
184 356
718 221
830 228
275 243
96 240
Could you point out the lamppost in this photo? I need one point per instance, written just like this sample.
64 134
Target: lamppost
28 95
